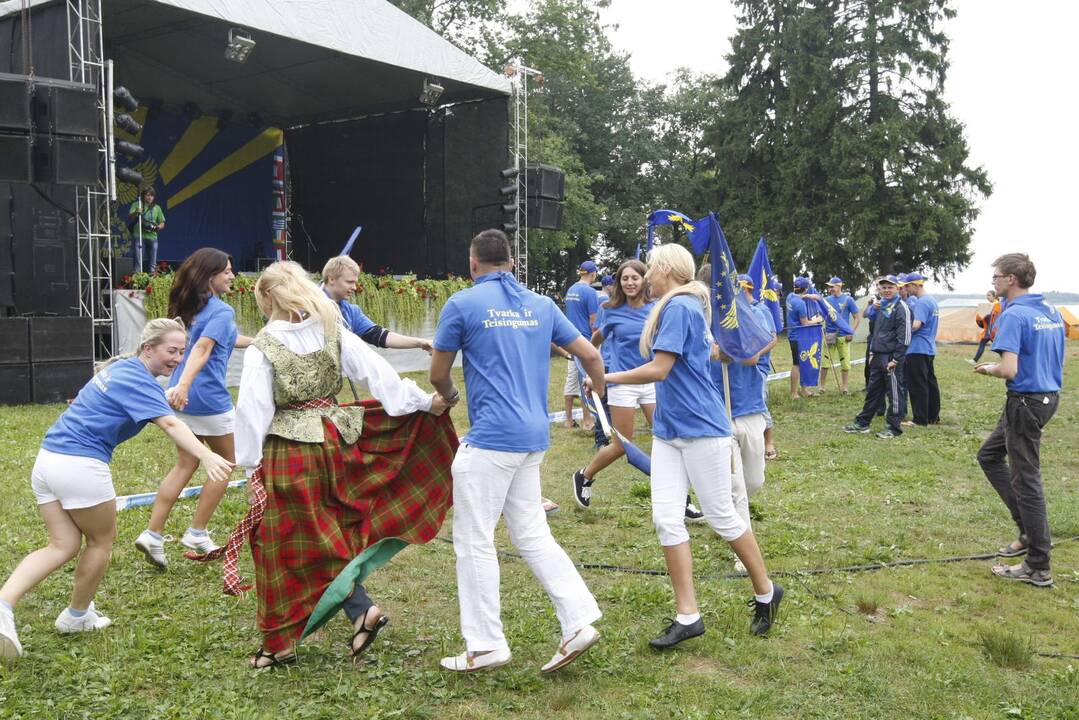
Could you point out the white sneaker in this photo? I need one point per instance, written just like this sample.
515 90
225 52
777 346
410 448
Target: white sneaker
201 544
153 549
571 649
463 663
10 647
68 623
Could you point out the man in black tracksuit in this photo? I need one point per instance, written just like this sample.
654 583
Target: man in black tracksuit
887 348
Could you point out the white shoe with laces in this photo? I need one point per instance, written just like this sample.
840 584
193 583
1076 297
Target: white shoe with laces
572 649
201 544
10 647
153 549
91 620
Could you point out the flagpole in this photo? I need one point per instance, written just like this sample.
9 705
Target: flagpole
831 360
730 415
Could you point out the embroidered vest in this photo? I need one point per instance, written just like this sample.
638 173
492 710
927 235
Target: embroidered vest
298 378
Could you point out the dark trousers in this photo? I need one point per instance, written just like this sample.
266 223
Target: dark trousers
981 348
1011 460
884 387
357 604
924 390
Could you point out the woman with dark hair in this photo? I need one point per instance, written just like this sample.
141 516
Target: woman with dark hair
618 329
197 391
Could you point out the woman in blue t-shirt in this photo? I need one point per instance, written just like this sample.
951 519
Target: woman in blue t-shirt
618 329
692 441
198 393
73 485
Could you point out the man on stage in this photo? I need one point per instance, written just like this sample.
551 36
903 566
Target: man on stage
146 220
505 332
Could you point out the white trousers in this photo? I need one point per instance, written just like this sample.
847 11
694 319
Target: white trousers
488 484
704 463
748 477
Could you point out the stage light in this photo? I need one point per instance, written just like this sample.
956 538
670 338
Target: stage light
128 124
510 172
122 96
431 93
511 198
239 46
130 149
129 176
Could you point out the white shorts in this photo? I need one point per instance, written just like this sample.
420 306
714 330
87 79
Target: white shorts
210 425
631 396
573 380
75 481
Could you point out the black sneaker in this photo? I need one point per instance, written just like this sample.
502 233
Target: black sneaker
887 434
856 428
676 632
693 514
582 488
764 614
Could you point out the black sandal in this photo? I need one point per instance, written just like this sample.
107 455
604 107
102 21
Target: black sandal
372 633
275 661
1010 551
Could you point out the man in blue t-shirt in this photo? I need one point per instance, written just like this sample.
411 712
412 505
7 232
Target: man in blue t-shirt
921 376
839 345
339 278
505 332
582 304
1030 340
798 317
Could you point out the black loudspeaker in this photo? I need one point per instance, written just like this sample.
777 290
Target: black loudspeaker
45 251
66 161
7 270
14 384
61 107
546 181
53 382
56 339
15 341
14 102
545 214
16 158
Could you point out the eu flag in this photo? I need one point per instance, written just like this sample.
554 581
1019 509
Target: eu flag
736 326
811 343
667 217
634 455
765 284
828 310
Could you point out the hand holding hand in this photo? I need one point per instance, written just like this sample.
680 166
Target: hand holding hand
217 468
177 397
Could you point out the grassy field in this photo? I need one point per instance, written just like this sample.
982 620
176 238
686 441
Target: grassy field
939 640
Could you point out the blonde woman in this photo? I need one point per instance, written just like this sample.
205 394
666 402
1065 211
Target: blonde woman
72 482
333 486
692 441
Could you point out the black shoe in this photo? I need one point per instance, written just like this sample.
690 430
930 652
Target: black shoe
693 514
856 428
764 614
582 488
676 632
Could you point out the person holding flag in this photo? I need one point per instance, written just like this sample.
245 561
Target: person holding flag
692 433
844 308
888 346
803 332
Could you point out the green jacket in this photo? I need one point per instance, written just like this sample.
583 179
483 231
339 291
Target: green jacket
152 217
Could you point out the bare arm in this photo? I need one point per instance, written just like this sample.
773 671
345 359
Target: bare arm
243 341
597 338
407 342
767 348
177 395
439 375
1006 369
655 370
916 325
217 468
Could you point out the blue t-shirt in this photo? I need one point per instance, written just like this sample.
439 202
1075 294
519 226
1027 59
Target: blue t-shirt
582 300
1033 329
844 306
505 332
621 329
688 405
923 341
208 394
354 318
796 311
765 362
109 409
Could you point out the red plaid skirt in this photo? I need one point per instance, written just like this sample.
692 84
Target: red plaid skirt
326 503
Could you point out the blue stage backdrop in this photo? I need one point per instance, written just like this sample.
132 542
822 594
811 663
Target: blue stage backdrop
214 181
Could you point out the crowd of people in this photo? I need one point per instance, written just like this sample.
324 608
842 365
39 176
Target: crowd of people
336 490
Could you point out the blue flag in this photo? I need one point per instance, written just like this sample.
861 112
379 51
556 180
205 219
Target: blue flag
638 255
832 315
811 342
765 284
634 455
666 217
352 239
736 326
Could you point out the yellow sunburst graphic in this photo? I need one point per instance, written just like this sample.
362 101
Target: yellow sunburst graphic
811 355
128 194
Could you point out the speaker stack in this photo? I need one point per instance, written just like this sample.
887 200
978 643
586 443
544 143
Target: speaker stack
546 193
45 359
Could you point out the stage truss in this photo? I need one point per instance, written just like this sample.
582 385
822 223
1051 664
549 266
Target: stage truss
519 75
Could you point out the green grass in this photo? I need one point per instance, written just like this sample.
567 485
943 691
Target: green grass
912 642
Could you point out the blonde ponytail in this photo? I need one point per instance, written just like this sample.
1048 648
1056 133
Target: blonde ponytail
286 287
677 260
153 334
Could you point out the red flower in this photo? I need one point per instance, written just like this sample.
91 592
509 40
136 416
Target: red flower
127 278
149 289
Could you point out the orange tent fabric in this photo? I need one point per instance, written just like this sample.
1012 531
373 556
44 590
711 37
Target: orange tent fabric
1071 322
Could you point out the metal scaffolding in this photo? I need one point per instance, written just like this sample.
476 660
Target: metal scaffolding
92 202
519 74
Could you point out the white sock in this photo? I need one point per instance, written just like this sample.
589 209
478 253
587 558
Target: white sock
687 619
766 597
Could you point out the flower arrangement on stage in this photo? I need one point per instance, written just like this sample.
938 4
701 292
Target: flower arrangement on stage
403 301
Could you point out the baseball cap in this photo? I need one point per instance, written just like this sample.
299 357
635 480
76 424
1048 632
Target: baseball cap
744 280
917 278
588 267
892 279
802 282
836 280
607 280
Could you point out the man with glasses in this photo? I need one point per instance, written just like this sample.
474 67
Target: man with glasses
1030 341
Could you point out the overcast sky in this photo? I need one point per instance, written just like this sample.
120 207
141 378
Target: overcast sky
1011 84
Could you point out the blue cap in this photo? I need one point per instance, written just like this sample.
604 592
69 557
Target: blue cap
903 278
589 267
743 279
889 279
607 280
915 278
803 283
836 280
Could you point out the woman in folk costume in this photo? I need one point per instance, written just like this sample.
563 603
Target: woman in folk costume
345 488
